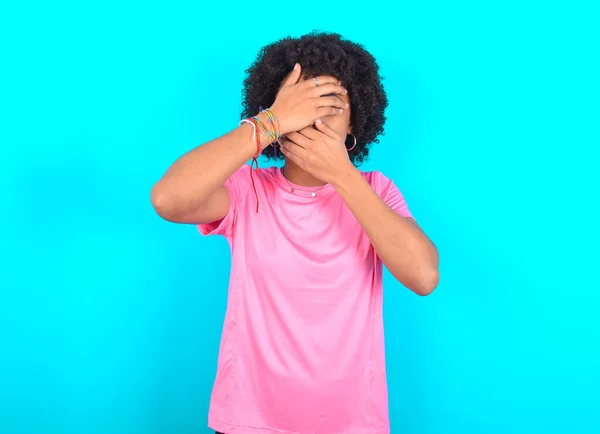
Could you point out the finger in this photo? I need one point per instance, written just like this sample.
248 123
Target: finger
294 76
329 111
289 147
332 101
327 89
291 156
309 133
299 139
323 80
327 130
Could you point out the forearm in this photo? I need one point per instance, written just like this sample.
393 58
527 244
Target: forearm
195 176
402 246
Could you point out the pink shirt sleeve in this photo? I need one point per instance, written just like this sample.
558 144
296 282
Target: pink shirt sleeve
390 194
237 186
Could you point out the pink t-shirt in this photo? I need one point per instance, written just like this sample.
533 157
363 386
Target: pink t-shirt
302 349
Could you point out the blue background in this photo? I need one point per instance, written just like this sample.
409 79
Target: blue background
110 318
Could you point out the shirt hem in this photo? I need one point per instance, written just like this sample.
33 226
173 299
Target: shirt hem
228 428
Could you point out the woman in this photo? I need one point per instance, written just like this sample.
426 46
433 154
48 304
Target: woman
302 349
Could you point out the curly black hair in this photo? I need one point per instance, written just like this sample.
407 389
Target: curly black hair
321 53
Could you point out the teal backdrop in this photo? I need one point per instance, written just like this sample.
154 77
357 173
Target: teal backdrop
110 318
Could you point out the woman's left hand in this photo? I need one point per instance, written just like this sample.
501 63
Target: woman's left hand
321 152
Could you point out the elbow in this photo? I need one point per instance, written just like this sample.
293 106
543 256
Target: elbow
429 277
421 283
162 202
427 283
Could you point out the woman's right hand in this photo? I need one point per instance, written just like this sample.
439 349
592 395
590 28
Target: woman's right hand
299 103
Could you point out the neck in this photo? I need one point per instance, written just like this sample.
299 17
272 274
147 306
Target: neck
298 176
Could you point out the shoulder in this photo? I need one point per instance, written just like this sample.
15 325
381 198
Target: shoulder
378 181
388 191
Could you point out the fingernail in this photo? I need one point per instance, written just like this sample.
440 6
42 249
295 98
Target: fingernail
319 121
347 105
345 91
340 111
295 66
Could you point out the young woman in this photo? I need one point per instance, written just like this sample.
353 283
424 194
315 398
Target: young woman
302 349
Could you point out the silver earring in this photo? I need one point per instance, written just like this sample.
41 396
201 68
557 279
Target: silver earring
353 146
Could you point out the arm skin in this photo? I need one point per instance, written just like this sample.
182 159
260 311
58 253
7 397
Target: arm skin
403 248
192 191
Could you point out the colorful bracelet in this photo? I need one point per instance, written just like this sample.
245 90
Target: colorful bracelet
268 132
272 134
255 136
274 120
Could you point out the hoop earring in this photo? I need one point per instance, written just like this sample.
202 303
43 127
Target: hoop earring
354 145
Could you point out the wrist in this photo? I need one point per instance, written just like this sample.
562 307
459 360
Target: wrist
283 128
249 142
262 127
264 140
346 178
